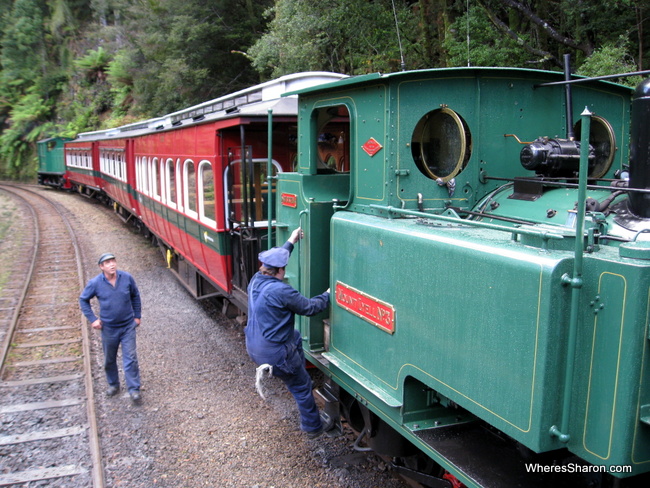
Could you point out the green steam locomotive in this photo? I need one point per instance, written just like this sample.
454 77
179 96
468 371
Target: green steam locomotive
487 248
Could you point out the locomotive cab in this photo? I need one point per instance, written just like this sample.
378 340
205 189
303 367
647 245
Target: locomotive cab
308 198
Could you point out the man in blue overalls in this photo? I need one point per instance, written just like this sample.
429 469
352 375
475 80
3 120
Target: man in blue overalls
270 335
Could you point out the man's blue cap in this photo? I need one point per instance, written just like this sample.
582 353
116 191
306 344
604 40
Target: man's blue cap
277 257
105 257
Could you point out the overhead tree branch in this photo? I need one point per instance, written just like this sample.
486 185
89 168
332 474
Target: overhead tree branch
550 31
499 24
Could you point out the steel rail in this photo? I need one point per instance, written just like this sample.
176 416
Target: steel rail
92 428
14 318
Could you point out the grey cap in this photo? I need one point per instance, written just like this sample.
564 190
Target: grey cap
105 257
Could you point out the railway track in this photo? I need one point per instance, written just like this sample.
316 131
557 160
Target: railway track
48 431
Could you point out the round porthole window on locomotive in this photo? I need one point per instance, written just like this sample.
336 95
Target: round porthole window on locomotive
601 137
441 144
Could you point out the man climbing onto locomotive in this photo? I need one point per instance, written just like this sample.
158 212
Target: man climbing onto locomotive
270 335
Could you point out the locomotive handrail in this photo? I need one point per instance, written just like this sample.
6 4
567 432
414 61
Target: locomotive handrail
593 78
513 230
269 179
566 184
562 433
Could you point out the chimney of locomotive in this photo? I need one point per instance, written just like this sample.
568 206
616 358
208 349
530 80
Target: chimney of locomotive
640 150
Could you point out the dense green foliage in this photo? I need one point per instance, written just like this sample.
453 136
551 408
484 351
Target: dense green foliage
352 37
68 66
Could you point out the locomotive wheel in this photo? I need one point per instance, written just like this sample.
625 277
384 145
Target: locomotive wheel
407 462
418 463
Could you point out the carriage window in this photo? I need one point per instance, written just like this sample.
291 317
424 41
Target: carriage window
179 185
441 144
207 195
145 175
154 179
246 203
162 172
123 167
138 180
189 177
161 178
333 140
170 183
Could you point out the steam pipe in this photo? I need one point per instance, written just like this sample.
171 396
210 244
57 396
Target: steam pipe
569 98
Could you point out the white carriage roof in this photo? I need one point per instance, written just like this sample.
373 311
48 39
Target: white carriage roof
253 101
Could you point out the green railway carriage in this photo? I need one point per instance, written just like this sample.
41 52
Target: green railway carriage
51 162
442 208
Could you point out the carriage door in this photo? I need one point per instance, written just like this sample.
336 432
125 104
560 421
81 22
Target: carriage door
246 191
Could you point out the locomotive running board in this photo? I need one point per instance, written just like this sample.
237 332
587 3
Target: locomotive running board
476 451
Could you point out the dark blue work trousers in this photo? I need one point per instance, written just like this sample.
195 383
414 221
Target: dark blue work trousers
288 361
112 337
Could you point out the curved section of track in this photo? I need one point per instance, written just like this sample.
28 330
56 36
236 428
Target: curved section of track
48 431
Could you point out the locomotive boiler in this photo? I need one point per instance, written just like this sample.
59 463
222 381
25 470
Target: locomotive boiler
488 254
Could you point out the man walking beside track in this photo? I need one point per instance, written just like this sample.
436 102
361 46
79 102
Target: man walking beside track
119 314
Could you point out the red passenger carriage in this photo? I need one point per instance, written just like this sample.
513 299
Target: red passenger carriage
198 180
82 166
117 175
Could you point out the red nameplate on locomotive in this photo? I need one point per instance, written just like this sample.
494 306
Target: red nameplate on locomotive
289 200
362 305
